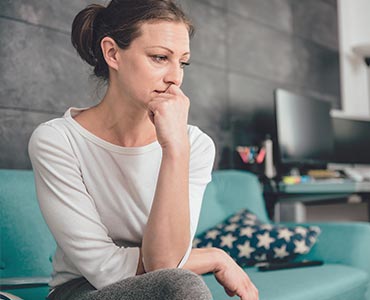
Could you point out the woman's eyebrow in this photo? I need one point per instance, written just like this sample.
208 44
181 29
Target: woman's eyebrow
186 53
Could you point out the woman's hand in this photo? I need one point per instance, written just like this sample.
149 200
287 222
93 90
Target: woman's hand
169 113
234 279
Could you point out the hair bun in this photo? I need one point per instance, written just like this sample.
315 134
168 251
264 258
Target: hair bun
82 36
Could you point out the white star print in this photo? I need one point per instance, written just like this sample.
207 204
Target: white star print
316 229
245 250
235 218
301 247
209 245
281 252
247 231
312 240
196 241
285 234
251 216
262 257
249 222
266 226
227 240
231 227
264 240
212 234
301 230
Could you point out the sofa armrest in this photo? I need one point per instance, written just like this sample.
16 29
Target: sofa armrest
345 243
23 282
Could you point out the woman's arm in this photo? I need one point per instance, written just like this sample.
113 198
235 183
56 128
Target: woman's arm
213 260
232 277
71 213
167 234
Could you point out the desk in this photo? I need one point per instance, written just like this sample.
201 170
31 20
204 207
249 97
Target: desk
295 195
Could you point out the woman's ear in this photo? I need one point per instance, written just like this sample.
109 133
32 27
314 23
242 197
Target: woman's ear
110 52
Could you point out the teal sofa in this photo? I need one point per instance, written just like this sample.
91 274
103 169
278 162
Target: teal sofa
27 245
344 248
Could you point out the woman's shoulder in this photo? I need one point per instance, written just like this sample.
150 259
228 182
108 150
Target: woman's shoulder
43 137
199 140
55 128
49 135
50 129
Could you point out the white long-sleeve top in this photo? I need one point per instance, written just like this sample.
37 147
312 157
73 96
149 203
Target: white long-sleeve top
96 197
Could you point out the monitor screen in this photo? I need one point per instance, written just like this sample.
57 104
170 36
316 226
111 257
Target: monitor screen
304 129
351 140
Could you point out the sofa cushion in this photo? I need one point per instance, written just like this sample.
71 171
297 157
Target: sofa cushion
327 282
249 241
35 293
7 296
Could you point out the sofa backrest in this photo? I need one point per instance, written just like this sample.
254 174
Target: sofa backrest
227 193
27 245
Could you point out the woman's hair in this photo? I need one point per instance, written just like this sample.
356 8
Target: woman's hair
121 21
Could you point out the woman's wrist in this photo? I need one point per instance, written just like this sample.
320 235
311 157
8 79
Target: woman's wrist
218 257
221 259
206 260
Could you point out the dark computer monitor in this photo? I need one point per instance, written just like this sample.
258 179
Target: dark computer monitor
304 130
352 140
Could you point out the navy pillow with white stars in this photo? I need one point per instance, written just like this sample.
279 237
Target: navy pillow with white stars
249 241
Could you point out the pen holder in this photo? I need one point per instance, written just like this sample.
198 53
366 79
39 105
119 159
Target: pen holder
251 154
250 158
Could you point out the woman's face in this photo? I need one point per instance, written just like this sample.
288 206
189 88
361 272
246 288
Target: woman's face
154 60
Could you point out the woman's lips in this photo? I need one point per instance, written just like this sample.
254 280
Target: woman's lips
165 90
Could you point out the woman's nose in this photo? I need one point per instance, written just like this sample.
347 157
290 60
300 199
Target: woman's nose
174 75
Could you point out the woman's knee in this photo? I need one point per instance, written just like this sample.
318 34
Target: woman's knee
183 284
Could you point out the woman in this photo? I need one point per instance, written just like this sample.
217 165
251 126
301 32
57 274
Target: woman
120 184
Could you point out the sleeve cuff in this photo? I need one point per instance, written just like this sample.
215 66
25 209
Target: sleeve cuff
186 257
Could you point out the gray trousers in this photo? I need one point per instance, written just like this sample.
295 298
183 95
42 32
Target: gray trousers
166 284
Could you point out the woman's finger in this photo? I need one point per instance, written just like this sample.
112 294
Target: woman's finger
174 90
229 292
155 104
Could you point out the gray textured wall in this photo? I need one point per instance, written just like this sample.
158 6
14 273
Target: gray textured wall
242 51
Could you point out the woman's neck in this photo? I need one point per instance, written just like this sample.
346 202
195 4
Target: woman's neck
120 122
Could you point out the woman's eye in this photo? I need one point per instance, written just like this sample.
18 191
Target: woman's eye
164 58
184 64
159 58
